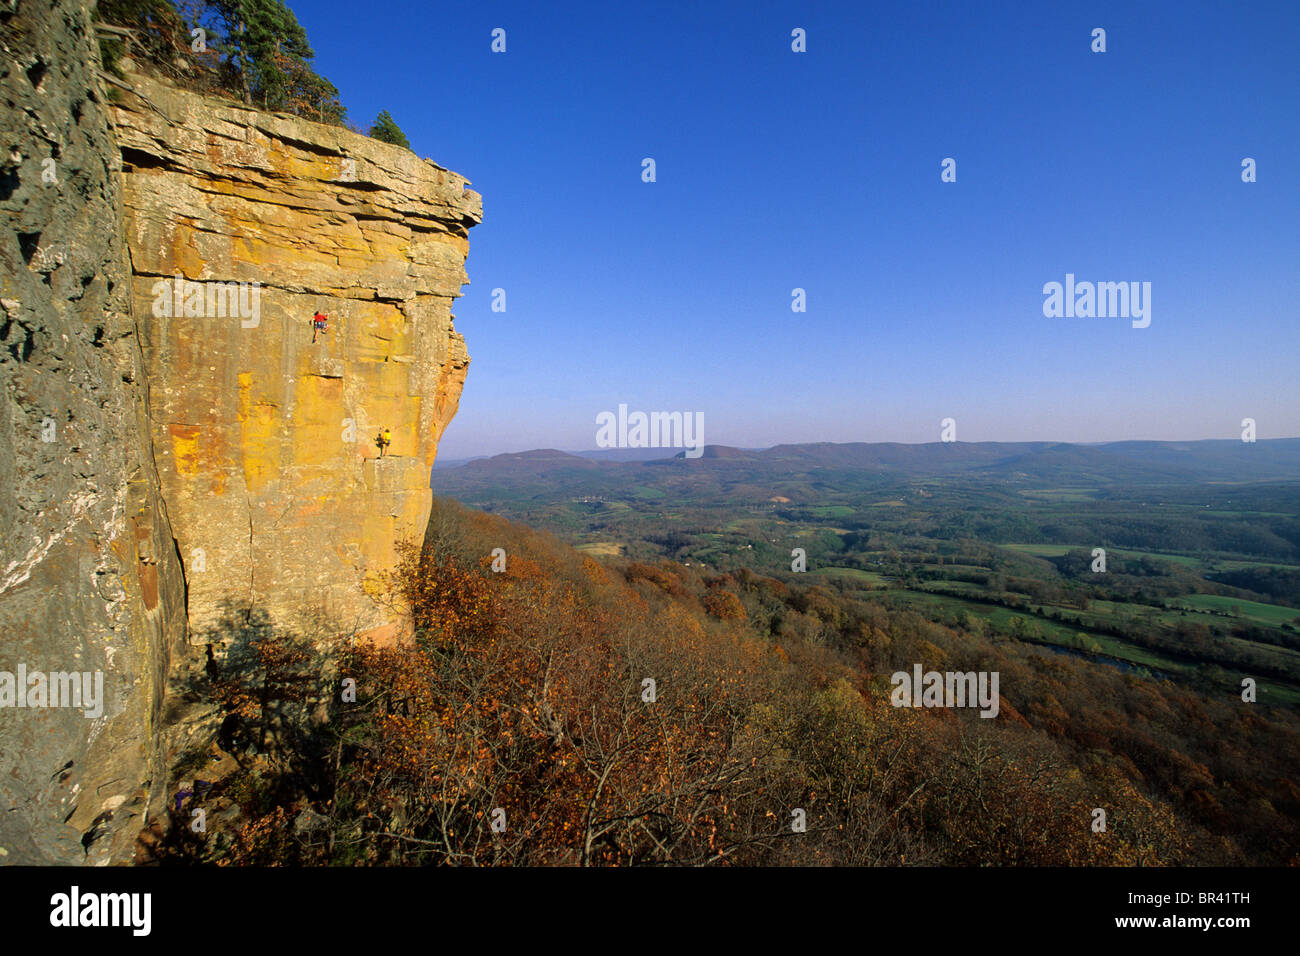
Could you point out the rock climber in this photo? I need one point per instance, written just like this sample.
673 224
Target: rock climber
318 324
385 439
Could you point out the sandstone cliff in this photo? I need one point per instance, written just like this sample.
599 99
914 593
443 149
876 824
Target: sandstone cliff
167 468
264 439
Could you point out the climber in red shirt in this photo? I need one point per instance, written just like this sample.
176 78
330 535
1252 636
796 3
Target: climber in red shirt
318 324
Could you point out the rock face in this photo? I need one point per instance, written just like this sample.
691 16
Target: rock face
179 449
89 576
265 439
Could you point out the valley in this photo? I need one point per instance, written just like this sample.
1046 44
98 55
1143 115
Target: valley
1202 574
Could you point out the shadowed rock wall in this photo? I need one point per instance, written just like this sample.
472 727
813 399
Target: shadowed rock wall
89 576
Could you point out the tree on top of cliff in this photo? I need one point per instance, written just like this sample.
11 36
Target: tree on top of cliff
255 49
158 32
386 130
269 48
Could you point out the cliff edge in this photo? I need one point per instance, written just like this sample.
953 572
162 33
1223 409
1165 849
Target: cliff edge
241 226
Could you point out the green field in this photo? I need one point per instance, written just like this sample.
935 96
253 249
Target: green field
1056 550
1060 494
1052 632
832 511
868 577
1233 564
1042 550
1270 615
1068 636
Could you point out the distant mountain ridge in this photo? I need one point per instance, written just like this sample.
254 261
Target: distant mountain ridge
1154 462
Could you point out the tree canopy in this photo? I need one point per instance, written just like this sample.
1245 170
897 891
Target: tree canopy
256 49
386 130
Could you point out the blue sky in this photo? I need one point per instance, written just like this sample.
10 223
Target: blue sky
821 170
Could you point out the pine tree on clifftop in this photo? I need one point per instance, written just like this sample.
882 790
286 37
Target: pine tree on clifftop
269 48
263 50
258 33
386 130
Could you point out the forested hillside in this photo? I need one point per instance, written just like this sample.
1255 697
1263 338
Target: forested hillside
520 727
